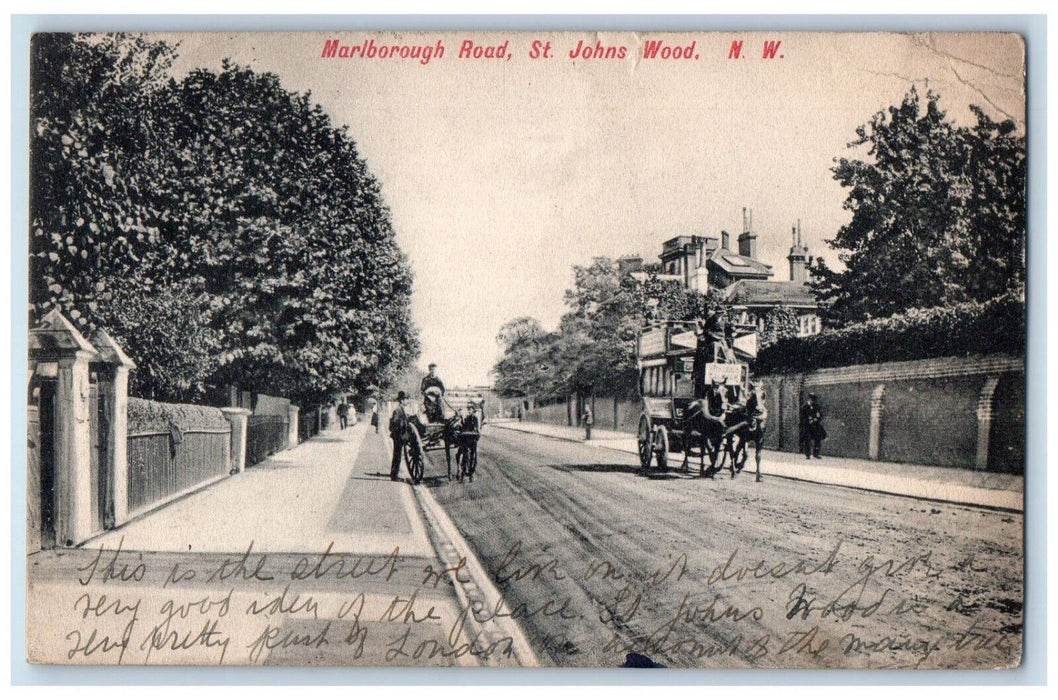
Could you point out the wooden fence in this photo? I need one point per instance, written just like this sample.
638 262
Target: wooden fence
265 436
165 464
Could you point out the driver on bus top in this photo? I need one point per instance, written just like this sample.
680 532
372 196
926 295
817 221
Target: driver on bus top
433 391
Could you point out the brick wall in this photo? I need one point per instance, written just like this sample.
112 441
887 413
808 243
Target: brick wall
952 412
944 434
1007 445
555 414
966 412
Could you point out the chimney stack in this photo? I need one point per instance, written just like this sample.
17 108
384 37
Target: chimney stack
798 256
725 240
747 242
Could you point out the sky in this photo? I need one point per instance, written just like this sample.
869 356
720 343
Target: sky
502 174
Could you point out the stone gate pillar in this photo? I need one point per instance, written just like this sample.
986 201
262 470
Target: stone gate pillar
292 426
239 418
114 385
57 340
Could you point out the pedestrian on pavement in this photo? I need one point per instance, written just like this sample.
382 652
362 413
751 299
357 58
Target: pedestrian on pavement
374 416
343 414
589 419
812 431
398 430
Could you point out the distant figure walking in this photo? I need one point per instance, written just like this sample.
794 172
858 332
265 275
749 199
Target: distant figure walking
812 431
398 430
374 416
343 414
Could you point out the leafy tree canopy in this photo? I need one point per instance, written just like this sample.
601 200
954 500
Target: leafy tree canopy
220 227
938 213
780 323
593 348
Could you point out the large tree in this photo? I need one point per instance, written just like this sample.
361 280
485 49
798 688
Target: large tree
938 213
96 252
291 235
529 353
220 227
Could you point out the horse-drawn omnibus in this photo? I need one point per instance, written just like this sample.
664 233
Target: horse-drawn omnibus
697 396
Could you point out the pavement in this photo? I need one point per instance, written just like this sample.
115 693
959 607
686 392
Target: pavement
298 500
941 484
329 499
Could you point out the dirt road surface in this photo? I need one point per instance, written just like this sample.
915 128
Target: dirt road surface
596 560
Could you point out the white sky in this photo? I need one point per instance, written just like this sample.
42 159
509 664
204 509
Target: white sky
503 175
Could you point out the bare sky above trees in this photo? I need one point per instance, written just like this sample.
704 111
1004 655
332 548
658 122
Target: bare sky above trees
501 175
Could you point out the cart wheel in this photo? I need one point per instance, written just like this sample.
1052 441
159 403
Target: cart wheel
661 441
413 456
644 439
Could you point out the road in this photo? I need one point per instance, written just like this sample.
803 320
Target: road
596 559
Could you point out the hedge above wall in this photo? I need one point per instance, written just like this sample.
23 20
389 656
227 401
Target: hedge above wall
153 416
972 328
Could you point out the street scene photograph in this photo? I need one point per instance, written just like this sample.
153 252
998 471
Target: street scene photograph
697 350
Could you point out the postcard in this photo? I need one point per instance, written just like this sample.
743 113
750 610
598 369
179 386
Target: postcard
527 349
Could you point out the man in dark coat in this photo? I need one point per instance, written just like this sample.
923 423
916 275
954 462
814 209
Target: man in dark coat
398 429
812 431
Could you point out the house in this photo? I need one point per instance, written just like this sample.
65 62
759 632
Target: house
704 262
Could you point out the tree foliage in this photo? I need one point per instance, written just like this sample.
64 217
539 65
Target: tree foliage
220 227
780 323
593 349
938 213
959 330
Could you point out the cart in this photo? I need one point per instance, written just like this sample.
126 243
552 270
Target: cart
452 431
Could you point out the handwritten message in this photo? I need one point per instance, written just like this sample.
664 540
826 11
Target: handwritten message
838 609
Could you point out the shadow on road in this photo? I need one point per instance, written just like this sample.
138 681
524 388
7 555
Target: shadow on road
435 481
326 438
633 469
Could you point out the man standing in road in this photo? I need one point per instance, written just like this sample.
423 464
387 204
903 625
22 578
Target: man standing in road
433 391
812 431
398 429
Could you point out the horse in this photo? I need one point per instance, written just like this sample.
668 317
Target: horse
748 426
706 420
724 431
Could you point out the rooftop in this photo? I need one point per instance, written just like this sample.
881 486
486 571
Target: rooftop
739 265
763 292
